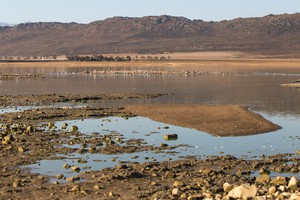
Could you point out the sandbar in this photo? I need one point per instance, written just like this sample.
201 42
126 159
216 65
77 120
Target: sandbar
218 120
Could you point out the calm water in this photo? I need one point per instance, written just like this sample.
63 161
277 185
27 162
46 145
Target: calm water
261 90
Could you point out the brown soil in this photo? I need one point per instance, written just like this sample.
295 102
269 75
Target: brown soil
220 120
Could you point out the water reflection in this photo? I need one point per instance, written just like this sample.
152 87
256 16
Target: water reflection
199 144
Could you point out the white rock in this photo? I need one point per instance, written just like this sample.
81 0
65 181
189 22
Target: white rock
227 187
175 192
293 183
272 190
282 188
244 191
295 197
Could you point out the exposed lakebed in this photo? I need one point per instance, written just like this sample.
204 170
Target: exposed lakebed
142 140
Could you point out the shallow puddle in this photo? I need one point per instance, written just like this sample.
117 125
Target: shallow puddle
190 143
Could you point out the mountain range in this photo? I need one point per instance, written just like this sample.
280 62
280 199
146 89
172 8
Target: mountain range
2 24
272 34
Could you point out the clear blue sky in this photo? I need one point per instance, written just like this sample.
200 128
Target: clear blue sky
85 11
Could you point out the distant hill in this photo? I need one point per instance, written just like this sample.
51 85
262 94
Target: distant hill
2 24
272 34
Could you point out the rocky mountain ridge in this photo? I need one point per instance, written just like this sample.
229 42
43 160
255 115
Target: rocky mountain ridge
272 34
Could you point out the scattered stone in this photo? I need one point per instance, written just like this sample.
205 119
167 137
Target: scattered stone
175 192
279 181
244 191
153 183
178 184
50 125
81 160
264 171
97 187
59 176
73 179
66 166
111 194
171 137
17 184
21 149
75 168
227 187
76 188
263 179
272 190
74 128
293 184
295 197
29 129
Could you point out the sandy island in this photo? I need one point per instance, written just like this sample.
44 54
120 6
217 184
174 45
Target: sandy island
220 120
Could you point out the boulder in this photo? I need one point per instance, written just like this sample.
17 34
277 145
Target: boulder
293 184
272 190
279 181
294 197
244 191
264 178
227 187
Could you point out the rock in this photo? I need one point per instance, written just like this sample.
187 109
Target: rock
263 179
206 171
97 187
50 125
153 183
66 166
170 174
76 188
59 176
272 190
73 179
293 184
295 197
74 128
175 192
244 191
55 183
264 171
29 129
227 187
279 181
64 126
21 149
170 137
81 160
111 194
75 168
17 184
282 188
178 184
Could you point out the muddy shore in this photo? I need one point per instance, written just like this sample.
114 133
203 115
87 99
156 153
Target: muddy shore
30 136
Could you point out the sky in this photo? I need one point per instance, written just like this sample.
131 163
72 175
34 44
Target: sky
86 11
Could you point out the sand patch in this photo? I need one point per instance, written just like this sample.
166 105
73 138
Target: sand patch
220 120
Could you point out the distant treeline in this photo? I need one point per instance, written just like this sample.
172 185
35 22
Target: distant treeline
98 58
